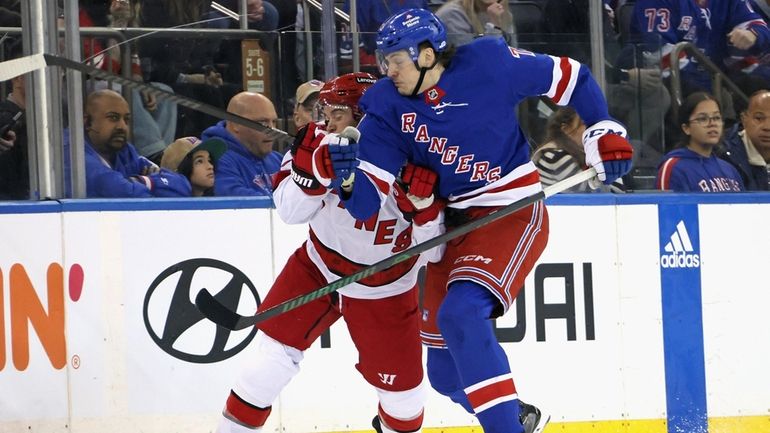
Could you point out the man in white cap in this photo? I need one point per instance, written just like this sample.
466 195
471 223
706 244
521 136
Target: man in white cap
307 95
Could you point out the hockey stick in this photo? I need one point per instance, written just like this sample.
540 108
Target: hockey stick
50 60
13 68
223 316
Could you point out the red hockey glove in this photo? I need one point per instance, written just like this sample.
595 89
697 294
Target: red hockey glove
306 141
607 150
415 209
419 181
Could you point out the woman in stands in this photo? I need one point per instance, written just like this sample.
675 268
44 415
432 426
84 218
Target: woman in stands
467 19
693 166
562 154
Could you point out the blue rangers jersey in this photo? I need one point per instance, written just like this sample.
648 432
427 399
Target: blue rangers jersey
662 24
465 127
748 16
705 23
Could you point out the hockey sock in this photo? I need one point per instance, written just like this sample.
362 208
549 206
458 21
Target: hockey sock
444 378
481 362
246 413
392 424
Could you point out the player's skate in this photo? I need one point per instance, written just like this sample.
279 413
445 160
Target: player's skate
531 418
378 426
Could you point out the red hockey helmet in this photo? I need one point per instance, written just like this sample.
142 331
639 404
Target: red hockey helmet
345 91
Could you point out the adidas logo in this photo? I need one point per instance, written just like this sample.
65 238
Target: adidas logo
680 252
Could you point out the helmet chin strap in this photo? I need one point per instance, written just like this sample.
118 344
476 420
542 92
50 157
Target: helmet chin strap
423 71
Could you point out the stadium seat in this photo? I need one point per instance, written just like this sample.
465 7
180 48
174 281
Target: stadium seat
527 16
625 12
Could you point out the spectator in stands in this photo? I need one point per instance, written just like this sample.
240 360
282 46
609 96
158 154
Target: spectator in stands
711 26
185 64
249 163
113 167
562 154
154 121
14 160
466 19
741 39
694 167
748 142
196 160
306 98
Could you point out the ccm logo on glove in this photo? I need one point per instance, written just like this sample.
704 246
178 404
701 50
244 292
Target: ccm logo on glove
607 150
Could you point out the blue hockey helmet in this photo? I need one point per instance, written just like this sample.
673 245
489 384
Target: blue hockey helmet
406 30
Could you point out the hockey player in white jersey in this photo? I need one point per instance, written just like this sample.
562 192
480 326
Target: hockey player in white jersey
455 113
381 311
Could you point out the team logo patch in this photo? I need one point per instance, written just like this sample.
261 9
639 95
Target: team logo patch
434 95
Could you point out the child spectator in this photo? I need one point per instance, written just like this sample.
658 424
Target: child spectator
694 167
196 160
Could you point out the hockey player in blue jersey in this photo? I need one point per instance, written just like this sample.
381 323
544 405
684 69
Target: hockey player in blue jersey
454 113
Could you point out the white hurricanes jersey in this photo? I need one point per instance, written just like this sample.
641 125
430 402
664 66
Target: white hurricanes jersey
339 245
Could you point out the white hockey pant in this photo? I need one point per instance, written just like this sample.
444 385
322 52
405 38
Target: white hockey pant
260 383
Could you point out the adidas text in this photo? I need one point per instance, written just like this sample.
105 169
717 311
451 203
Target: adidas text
680 260
679 251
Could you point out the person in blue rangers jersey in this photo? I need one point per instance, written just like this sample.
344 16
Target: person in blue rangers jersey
719 28
114 169
454 113
694 166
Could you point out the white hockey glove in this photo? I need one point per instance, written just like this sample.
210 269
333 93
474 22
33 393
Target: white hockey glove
607 150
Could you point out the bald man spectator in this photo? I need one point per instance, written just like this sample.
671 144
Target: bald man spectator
747 144
113 167
249 163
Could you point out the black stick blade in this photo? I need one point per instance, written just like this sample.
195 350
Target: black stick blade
218 313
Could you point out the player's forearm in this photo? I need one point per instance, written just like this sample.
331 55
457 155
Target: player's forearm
363 200
588 99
